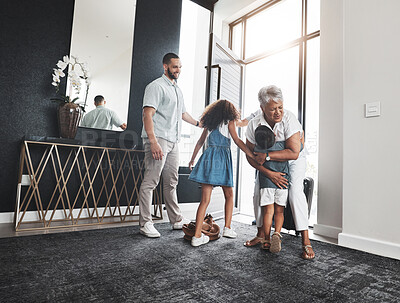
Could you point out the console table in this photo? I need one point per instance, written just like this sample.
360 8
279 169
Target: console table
68 185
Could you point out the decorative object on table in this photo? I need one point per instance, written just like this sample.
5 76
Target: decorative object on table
69 109
209 228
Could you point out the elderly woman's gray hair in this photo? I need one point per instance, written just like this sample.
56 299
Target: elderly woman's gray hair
270 92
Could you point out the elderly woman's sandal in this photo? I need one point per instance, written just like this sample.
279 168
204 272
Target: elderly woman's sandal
308 253
253 242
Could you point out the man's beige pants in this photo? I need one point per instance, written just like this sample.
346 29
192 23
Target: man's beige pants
168 169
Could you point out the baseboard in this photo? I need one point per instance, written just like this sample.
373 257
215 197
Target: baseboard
188 210
373 246
188 207
7 217
58 214
326 230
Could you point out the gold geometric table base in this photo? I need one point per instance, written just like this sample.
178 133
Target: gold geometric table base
66 185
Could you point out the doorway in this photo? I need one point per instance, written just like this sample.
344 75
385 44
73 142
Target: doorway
278 44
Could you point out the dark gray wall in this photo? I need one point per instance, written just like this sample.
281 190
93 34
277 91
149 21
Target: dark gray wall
157 30
34 35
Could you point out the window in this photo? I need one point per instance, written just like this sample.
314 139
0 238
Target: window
280 46
273 27
237 38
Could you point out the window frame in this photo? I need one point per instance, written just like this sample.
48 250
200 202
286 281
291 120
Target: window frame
301 42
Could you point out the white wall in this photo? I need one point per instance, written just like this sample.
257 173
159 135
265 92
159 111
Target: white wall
330 164
367 51
371 205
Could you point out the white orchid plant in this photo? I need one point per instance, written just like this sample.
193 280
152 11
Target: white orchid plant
78 71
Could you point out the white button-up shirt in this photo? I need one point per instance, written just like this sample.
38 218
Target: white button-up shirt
167 99
101 117
283 130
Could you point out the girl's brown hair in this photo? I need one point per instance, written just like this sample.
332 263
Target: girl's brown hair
221 111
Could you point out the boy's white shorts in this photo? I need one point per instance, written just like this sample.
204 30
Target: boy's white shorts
273 195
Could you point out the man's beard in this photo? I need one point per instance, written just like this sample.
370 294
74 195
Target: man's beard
171 75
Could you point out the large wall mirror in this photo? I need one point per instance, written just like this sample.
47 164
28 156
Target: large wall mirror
102 36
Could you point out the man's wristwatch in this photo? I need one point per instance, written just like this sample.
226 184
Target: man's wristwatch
268 158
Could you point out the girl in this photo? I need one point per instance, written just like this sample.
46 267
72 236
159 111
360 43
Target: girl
214 167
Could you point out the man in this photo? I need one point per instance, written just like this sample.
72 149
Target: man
163 112
286 128
102 117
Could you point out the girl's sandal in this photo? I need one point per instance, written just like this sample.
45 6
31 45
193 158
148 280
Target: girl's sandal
253 242
276 245
266 245
308 253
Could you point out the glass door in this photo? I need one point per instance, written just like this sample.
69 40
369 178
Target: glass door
225 83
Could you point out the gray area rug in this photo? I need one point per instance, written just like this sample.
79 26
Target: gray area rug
120 265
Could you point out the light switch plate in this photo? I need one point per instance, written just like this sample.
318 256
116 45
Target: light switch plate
372 109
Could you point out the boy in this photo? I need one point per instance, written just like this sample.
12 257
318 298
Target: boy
272 199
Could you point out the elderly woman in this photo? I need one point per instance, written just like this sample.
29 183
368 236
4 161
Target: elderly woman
286 128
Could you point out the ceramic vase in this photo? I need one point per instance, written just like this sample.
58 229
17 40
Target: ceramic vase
69 116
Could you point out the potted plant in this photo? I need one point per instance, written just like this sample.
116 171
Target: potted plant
69 109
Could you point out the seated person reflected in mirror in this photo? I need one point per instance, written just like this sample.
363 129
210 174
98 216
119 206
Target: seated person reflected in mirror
272 199
102 117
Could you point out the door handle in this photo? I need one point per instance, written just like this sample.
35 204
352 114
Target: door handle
218 80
